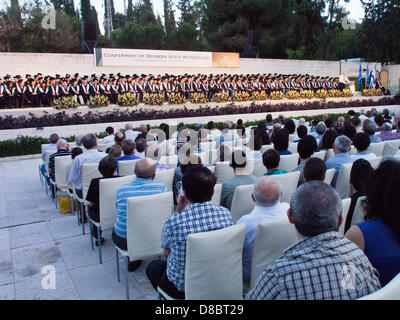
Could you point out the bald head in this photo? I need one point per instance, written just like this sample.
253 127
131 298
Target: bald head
62 144
145 168
128 126
267 192
143 128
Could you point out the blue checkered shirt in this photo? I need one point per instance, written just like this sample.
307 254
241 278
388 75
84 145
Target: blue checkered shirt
324 267
198 217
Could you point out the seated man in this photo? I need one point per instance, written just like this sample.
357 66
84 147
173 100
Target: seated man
129 133
110 136
280 139
266 196
322 265
128 147
242 177
314 170
271 159
107 167
195 213
361 142
306 148
387 133
141 146
62 150
341 149
52 146
369 128
143 185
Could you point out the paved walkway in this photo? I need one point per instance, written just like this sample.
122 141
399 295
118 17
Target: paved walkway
33 234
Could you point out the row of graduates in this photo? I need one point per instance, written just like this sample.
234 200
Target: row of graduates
39 91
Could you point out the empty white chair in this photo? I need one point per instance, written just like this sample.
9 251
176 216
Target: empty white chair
376 148
242 203
289 162
171 161
223 172
166 176
216 198
329 174
289 182
329 154
271 240
126 167
359 213
266 147
292 147
389 292
257 167
375 162
391 147
104 147
144 238
214 272
342 181
320 154
345 210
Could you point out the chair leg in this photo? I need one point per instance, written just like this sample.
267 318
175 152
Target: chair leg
99 242
159 296
91 234
78 210
127 279
83 217
117 260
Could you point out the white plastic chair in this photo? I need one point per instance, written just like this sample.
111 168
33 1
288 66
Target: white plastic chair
266 147
166 176
214 272
329 174
293 147
359 213
47 155
171 161
289 162
342 181
104 147
289 182
389 292
242 203
216 198
126 167
376 148
375 162
391 147
144 238
320 154
329 154
345 210
223 172
271 240
258 167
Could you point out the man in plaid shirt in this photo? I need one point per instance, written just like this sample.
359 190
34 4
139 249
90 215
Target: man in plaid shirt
322 265
195 213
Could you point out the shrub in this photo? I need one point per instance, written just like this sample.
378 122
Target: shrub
127 99
98 101
221 97
65 103
153 99
293 95
241 96
259 96
176 98
198 98
276 95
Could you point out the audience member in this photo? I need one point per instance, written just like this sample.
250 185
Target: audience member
387 134
119 137
361 142
110 136
62 150
379 235
195 213
193 161
349 131
242 177
280 139
369 128
141 146
153 153
320 130
76 152
129 133
301 132
305 270
115 151
305 148
271 159
143 185
255 145
266 197
314 170
328 140
128 147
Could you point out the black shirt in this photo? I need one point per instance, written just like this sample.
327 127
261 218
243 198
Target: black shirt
93 196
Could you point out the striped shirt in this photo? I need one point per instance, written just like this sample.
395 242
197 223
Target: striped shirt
137 188
325 267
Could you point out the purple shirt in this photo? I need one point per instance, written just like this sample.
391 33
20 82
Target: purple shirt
389 135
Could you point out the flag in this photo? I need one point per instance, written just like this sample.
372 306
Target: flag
367 78
360 77
374 76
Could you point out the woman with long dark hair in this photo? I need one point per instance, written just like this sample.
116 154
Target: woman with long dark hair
379 235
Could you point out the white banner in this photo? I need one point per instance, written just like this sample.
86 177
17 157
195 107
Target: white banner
105 57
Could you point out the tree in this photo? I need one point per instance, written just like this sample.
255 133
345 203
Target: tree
65 6
169 18
130 13
11 27
85 10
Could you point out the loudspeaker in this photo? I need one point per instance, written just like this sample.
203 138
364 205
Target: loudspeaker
89 31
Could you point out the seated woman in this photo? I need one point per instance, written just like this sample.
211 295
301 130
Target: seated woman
360 176
107 167
271 159
379 235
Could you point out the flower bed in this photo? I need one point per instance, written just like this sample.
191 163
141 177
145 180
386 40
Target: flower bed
98 101
293 95
371 92
198 98
176 98
322 94
276 95
127 99
259 96
153 99
307 94
65 103
221 97
241 96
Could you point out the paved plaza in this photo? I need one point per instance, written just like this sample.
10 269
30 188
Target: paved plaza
33 234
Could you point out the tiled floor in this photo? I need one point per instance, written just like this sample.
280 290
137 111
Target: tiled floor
33 235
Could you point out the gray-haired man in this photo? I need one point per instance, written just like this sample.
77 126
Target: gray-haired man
322 265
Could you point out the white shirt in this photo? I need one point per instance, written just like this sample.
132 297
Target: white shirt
108 139
130 134
259 214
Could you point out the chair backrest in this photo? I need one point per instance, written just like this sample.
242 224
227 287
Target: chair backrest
211 168
214 272
289 162
329 174
359 213
376 148
47 155
60 165
266 147
67 170
329 154
391 147
375 162
166 176
171 161
320 154
89 171
293 147
104 147
204 156
223 172
207 145
216 198
108 198
353 150
345 210
241 202
126 167
289 182
389 292
342 181
257 167
145 220
229 144
241 142
271 240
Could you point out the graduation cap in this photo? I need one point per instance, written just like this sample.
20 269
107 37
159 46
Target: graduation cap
85 77
76 75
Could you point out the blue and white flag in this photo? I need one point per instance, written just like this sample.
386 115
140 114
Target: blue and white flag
374 76
367 78
360 77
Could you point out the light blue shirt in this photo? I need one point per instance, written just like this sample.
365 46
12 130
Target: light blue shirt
259 214
89 156
137 188
374 138
52 146
363 155
336 162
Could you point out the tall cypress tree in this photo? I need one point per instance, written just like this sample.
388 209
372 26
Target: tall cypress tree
169 17
129 13
85 10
